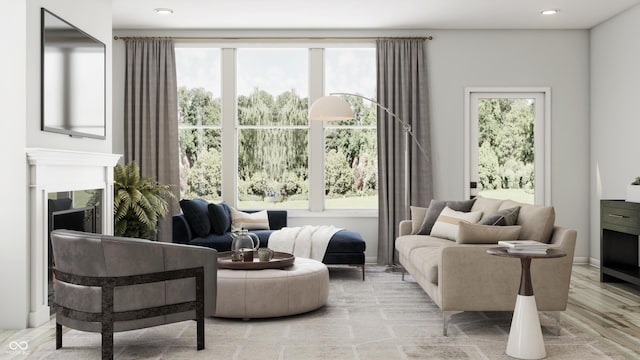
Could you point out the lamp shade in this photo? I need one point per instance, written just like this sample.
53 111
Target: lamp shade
331 108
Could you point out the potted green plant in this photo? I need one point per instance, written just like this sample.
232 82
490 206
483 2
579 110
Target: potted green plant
138 202
633 191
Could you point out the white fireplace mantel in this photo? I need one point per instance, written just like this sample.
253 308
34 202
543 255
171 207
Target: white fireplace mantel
52 170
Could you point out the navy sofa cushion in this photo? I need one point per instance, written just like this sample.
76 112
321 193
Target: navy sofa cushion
346 241
197 213
219 218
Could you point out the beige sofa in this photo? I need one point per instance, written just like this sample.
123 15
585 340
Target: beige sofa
463 277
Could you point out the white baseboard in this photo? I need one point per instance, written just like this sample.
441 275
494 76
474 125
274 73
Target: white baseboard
580 260
594 262
371 260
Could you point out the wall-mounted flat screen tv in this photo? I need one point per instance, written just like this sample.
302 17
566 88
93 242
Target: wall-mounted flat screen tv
73 79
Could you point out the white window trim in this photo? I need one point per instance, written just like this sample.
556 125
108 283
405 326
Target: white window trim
544 136
230 127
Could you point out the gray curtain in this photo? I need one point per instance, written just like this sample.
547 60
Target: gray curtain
151 116
402 87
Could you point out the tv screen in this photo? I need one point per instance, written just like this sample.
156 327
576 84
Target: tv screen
73 80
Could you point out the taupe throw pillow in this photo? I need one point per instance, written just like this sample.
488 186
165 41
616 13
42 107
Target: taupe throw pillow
446 227
505 217
486 234
435 208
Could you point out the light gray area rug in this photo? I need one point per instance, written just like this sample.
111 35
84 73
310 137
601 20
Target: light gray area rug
381 318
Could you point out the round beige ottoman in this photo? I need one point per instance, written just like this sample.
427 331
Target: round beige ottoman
301 287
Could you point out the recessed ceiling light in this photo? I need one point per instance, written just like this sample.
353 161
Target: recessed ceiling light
549 12
163 11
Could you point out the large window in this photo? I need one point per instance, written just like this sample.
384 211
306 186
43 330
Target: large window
272 101
244 133
351 161
199 122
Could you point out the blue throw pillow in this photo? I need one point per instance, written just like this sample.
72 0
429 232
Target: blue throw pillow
219 218
197 214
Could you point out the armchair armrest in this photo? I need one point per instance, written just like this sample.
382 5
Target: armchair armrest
181 230
177 256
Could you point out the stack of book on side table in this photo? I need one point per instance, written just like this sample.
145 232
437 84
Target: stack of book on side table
524 246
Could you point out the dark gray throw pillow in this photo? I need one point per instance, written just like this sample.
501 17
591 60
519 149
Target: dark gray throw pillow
435 208
219 218
505 217
197 213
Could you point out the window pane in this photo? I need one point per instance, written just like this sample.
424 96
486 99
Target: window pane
200 164
272 168
506 149
351 170
272 128
261 108
272 86
199 113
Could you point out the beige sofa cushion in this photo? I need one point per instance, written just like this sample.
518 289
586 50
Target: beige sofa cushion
486 234
426 260
536 220
486 205
406 244
417 218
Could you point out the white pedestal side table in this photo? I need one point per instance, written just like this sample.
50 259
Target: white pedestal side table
525 337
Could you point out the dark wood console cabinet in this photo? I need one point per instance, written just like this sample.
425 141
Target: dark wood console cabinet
620 227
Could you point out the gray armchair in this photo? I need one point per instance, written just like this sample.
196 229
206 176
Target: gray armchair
109 284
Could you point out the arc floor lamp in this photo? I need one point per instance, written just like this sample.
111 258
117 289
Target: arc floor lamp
334 108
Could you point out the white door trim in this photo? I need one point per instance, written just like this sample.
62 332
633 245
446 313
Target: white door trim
546 134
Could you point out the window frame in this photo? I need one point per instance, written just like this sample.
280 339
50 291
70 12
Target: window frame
316 129
542 135
202 127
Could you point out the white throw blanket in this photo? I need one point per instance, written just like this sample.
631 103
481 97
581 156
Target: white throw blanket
305 241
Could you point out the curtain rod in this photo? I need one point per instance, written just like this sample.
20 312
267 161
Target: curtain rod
116 37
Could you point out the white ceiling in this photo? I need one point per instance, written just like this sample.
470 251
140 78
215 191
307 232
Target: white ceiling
365 14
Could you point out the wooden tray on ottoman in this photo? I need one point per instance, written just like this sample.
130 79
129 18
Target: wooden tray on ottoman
280 260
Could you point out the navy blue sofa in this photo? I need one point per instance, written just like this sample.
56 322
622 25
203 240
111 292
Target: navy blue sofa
346 247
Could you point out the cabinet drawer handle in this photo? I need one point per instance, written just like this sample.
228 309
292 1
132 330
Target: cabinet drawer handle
618 216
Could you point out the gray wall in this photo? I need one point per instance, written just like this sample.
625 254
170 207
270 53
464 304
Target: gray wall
615 119
557 59
20 96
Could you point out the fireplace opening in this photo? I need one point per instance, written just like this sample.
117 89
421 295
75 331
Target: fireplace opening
72 210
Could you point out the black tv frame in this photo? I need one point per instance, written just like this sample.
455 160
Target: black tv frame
60 129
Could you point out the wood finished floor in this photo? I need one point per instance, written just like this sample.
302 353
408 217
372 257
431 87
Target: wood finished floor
610 311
